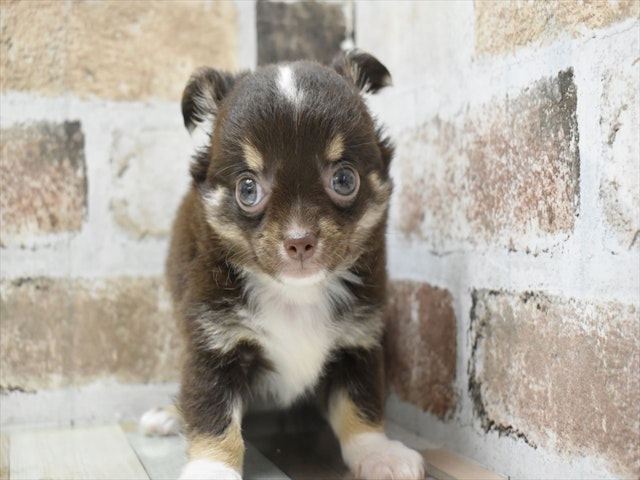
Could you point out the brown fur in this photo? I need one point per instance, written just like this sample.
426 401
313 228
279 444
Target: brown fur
310 168
227 448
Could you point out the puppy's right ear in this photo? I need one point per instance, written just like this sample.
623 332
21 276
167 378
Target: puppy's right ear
202 96
201 100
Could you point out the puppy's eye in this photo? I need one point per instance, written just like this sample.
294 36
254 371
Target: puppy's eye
249 193
345 182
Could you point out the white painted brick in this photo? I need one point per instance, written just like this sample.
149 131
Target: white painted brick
620 136
150 173
101 248
418 42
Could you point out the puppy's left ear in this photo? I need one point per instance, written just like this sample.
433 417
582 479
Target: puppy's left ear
363 69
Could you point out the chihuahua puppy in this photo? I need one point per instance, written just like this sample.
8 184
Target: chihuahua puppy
277 260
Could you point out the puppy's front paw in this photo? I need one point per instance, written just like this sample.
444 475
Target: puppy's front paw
161 421
208 470
372 456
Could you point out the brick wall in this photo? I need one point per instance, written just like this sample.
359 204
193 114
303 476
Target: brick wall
94 161
515 224
514 252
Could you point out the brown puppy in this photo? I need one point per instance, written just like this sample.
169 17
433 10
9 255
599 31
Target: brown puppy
277 260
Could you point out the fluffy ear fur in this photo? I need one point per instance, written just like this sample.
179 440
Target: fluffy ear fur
202 96
204 91
363 69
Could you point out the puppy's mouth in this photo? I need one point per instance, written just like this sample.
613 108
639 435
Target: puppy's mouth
302 273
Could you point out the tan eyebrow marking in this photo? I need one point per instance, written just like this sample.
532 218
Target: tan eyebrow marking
252 156
335 149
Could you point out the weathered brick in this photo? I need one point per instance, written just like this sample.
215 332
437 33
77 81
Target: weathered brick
504 173
150 173
58 333
44 185
502 27
559 373
620 132
421 346
294 31
113 49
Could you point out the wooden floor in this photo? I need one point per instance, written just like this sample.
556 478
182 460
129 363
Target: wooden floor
278 447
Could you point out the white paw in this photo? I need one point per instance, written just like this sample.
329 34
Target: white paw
208 470
372 456
160 421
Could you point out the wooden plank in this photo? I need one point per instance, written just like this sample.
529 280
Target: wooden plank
441 464
162 457
410 439
70 454
445 465
4 457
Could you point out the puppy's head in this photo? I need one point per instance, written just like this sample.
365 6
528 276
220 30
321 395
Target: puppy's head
294 178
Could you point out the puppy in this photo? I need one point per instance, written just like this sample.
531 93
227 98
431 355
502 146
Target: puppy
277 260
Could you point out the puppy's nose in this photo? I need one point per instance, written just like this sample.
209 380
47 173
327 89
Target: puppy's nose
301 247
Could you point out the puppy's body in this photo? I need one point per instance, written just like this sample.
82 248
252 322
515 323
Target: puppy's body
277 260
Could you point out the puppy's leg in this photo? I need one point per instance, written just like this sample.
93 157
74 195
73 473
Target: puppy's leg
355 414
215 457
211 405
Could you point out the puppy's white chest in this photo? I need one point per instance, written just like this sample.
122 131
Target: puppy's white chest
297 339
